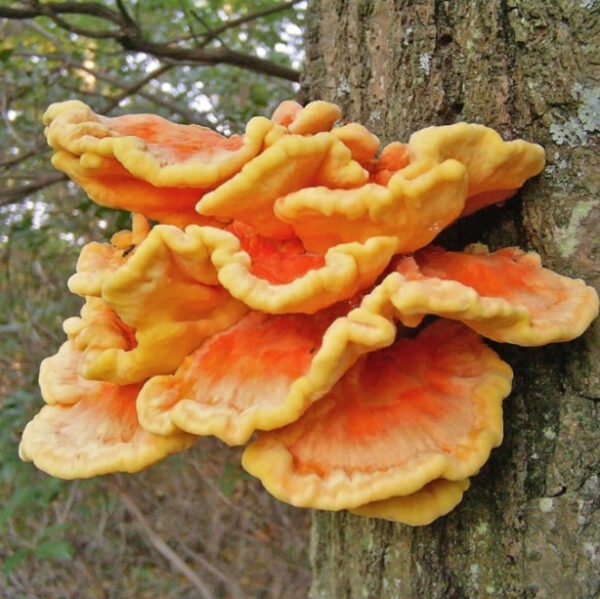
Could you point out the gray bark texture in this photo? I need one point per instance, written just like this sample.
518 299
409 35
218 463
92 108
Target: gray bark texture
530 524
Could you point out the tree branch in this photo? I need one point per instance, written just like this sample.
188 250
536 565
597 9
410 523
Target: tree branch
129 35
12 195
214 33
190 117
212 56
232 23
187 115
126 16
99 35
7 163
136 87
161 545
90 9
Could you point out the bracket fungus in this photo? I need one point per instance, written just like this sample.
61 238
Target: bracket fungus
280 300
90 427
423 409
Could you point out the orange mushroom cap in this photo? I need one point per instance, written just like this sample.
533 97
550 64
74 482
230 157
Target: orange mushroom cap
505 295
60 380
413 211
447 167
97 261
286 112
109 184
313 118
281 277
420 508
291 163
393 158
494 166
423 409
167 291
145 163
276 261
91 427
359 140
99 330
262 373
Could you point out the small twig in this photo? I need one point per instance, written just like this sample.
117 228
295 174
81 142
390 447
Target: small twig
230 24
137 86
175 108
16 194
21 157
236 592
92 9
192 35
210 34
214 33
68 504
161 545
43 32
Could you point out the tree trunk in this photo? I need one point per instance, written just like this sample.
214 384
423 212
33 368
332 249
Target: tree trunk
530 524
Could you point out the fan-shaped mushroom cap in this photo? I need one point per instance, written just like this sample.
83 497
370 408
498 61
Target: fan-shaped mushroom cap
422 409
97 435
286 112
313 118
412 210
60 380
91 428
451 170
359 140
291 163
99 330
393 158
145 163
261 373
97 261
109 184
420 508
279 278
506 295
167 292
493 165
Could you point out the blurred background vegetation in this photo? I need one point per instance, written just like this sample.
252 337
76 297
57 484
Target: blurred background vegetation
194 525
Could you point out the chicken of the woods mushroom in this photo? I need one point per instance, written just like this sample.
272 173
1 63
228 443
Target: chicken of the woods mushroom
286 294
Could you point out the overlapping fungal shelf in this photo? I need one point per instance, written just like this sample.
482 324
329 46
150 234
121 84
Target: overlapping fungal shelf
278 299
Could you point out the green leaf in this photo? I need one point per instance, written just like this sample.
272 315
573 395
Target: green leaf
13 561
22 496
231 475
62 550
5 54
55 529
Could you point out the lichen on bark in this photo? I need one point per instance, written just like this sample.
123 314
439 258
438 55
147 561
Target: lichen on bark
530 524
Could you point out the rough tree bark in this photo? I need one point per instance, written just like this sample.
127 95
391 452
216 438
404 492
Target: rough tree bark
530 524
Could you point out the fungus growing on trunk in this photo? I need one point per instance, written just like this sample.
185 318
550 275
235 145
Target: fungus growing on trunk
166 291
293 162
425 408
506 295
90 427
420 508
144 163
284 295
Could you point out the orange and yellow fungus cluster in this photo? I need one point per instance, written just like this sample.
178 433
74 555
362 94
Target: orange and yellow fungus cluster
279 300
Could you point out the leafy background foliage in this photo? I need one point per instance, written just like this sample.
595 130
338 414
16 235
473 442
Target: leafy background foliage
194 525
